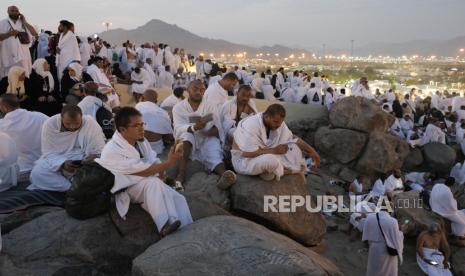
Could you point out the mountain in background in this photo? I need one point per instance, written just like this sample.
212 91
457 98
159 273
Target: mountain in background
161 32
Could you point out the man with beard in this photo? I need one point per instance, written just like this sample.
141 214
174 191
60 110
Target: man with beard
263 145
12 50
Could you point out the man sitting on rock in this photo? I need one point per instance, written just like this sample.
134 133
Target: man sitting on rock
235 110
197 125
433 251
443 203
263 145
137 169
157 120
67 139
393 184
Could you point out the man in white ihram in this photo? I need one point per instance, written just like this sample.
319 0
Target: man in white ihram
12 51
23 127
157 121
67 139
138 170
263 145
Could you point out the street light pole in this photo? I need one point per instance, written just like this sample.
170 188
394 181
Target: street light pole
107 25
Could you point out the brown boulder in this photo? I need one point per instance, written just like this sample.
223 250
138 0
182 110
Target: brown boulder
343 145
248 196
383 153
360 114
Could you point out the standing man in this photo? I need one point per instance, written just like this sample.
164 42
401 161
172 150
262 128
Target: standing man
12 50
68 48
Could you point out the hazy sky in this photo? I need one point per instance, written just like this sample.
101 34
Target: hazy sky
303 23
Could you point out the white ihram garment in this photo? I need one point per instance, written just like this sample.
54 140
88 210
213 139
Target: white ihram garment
162 202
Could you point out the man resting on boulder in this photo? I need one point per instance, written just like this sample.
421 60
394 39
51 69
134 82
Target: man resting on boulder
264 145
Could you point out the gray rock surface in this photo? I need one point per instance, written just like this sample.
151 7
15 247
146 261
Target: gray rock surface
360 114
439 157
383 153
344 145
247 196
222 245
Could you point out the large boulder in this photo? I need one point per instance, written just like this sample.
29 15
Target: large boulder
383 153
439 157
360 114
343 145
457 260
409 206
56 244
413 160
248 196
203 185
230 246
305 118
14 220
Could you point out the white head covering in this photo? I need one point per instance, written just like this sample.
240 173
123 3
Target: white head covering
76 68
14 84
38 66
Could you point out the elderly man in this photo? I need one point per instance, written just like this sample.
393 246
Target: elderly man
217 93
24 128
263 145
433 251
67 139
157 121
234 110
197 125
137 171
14 51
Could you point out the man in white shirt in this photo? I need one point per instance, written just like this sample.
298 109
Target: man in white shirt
217 93
157 121
12 51
67 139
90 104
24 127
197 125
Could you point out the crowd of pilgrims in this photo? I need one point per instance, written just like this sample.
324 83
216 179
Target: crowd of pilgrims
57 93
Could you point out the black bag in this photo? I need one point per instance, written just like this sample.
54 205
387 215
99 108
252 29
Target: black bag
259 95
22 36
89 194
304 99
105 119
316 98
391 251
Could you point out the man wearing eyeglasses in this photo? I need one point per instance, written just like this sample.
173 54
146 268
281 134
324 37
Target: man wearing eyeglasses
138 173
67 139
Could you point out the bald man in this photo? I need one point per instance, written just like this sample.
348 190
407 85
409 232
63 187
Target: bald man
157 121
12 51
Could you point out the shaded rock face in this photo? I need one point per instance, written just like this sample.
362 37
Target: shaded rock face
303 120
248 196
383 153
344 145
203 185
439 157
408 206
414 160
56 244
360 114
230 246
9 222
457 259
